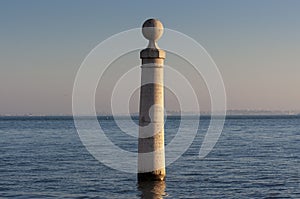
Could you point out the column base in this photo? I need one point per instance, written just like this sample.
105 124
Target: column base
150 176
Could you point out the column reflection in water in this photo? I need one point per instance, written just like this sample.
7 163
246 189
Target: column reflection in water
152 189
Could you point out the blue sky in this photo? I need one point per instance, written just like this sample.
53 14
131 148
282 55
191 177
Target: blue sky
256 45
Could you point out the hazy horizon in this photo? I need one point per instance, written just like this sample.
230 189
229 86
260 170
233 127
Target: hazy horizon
175 113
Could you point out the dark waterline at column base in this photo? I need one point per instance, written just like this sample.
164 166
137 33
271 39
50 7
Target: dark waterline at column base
150 176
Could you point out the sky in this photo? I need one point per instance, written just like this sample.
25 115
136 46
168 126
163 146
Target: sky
255 44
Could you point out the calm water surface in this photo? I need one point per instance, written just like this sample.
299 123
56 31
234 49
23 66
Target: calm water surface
255 157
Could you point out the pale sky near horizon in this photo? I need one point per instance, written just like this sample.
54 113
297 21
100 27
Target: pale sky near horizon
255 44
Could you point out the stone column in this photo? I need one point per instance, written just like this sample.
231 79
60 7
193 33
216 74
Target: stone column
151 158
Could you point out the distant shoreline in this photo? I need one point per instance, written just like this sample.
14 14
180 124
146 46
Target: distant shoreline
135 117
175 114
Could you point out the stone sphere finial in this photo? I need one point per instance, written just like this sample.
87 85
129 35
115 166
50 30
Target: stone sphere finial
152 30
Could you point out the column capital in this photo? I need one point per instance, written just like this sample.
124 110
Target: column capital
152 53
